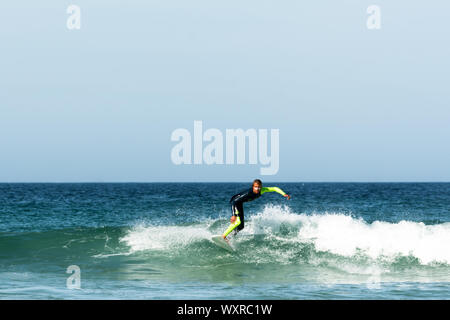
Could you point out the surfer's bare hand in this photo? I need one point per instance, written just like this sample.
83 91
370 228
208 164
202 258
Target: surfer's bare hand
288 196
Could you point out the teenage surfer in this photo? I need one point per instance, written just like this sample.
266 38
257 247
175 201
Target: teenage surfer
237 209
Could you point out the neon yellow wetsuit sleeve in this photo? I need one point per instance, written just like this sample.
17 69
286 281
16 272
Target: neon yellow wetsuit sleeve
272 189
232 226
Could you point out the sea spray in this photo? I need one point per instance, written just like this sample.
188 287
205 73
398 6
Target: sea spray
335 233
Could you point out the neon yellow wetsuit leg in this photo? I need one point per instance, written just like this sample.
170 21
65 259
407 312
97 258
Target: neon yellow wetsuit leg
232 226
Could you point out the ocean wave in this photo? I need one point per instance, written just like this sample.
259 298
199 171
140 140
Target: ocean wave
144 237
275 235
282 235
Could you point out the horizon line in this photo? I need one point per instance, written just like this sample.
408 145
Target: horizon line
246 181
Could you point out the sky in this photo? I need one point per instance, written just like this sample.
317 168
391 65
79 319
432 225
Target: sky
100 103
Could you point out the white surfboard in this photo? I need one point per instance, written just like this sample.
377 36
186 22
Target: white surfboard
221 242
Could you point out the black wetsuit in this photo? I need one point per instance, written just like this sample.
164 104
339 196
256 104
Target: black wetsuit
237 208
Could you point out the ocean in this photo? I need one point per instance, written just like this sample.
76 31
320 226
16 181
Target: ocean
153 241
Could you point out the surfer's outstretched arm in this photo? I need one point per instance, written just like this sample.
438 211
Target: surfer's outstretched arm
275 189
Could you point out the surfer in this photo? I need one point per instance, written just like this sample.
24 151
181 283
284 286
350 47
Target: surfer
237 209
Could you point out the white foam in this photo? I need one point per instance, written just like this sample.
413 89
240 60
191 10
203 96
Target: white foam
144 237
336 233
346 236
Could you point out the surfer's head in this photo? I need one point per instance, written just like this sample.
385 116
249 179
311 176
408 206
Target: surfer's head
257 185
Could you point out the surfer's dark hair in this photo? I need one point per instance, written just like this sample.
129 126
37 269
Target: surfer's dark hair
257 181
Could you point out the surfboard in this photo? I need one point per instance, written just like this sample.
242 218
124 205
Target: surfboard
221 242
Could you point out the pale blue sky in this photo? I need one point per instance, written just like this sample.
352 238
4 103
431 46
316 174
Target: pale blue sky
100 103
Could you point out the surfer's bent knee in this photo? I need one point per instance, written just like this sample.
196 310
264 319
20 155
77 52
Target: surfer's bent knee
232 226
